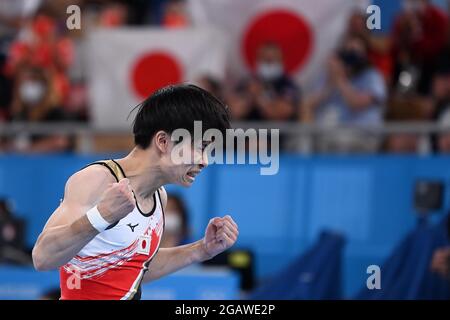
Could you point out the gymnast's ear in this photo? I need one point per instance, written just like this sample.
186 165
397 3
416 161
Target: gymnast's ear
162 141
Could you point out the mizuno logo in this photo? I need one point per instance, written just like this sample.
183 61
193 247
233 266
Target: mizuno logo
132 227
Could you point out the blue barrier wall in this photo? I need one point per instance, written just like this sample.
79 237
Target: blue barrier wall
368 198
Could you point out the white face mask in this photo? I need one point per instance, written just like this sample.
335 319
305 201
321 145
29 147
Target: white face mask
31 91
172 222
270 71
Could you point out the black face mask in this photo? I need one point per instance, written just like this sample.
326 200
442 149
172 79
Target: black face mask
354 60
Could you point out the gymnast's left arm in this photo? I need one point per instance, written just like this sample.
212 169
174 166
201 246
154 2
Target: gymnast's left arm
220 235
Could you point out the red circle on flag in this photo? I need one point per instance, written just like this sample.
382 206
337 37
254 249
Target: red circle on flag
144 244
285 28
153 71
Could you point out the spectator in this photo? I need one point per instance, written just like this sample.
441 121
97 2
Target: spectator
176 14
113 15
34 97
270 94
12 231
44 48
378 44
36 100
176 230
419 34
352 93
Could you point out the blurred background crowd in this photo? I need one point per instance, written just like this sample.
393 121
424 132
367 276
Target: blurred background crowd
371 79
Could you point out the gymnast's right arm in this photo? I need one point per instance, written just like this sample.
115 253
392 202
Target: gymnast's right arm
69 229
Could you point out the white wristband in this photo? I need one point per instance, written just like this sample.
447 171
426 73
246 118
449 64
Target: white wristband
96 219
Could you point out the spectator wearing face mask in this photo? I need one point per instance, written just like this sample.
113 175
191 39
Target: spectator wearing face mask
33 97
352 93
176 229
270 94
378 44
36 100
44 48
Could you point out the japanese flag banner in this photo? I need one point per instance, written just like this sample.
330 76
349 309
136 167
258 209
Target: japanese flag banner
126 65
306 30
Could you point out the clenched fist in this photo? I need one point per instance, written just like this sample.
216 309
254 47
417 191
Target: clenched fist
117 201
220 234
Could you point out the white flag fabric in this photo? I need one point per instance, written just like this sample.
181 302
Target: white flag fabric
126 65
306 30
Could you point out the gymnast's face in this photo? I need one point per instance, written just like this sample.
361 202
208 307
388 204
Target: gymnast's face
185 160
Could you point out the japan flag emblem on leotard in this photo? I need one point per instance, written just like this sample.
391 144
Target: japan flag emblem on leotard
144 245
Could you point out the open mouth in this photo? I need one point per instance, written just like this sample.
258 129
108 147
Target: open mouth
192 174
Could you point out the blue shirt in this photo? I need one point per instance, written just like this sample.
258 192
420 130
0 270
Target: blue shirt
335 110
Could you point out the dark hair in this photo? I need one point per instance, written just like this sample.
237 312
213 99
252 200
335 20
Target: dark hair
178 106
